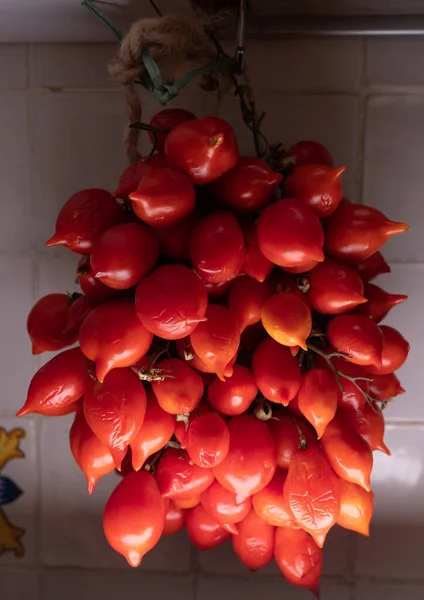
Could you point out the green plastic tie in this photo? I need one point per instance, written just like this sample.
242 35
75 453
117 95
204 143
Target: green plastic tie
102 17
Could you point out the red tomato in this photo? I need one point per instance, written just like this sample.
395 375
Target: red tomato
246 299
312 491
174 519
59 383
163 197
208 440
318 186
204 148
203 531
47 322
156 431
123 255
308 152
215 290
379 302
216 341
298 558
167 119
254 544
174 241
217 247
251 461
131 176
287 319
348 454
79 310
248 186
318 398
134 516
181 390
372 266
186 503
354 232
186 352
115 410
356 508
96 291
270 504
255 265
276 372
61 411
83 218
335 288
91 455
290 434
351 397
113 337
385 387
302 268
235 395
178 477
358 337
369 423
171 302
395 352
222 506
290 233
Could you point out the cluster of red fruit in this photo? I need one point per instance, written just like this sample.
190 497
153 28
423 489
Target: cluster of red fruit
230 361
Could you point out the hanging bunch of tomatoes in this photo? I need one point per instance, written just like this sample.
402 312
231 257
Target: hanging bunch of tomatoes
231 364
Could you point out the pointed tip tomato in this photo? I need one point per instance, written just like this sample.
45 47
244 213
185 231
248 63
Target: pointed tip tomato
255 542
287 318
270 504
203 530
182 388
318 398
167 119
246 299
356 508
256 265
234 395
223 507
372 266
179 478
394 354
208 440
358 337
379 302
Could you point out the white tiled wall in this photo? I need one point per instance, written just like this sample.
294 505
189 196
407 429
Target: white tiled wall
61 129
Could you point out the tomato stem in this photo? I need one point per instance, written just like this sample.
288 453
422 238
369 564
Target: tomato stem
263 410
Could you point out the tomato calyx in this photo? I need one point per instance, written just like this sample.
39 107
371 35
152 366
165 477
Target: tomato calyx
262 410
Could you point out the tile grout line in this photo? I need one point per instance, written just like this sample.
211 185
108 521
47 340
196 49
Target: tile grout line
362 124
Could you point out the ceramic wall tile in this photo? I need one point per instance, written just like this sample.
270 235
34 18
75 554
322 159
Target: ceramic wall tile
13 66
393 174
110 585
18 585
72 533
19 534
395 61
391 591
15 168
406 317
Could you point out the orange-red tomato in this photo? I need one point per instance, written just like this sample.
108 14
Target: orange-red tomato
171 302
131 176
115 410
372 266
47 323
348 453
255 265
358 337
203 148
113 336
163 197
217 249
186 503
203 530
91 455
174 518
181 390
235 395
216 340
271 505
385 387
255 542
395 352
251 461
312 491
222 506
379 302
246 298
318 398
369 423
208 440
61 411
319 186
178 477
167 119
308 152
156 431
95 291
83 218
290 233
276 372
58 384
247 187
287 319
335 288
356 508
134 516
289 433
298 558
355 232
